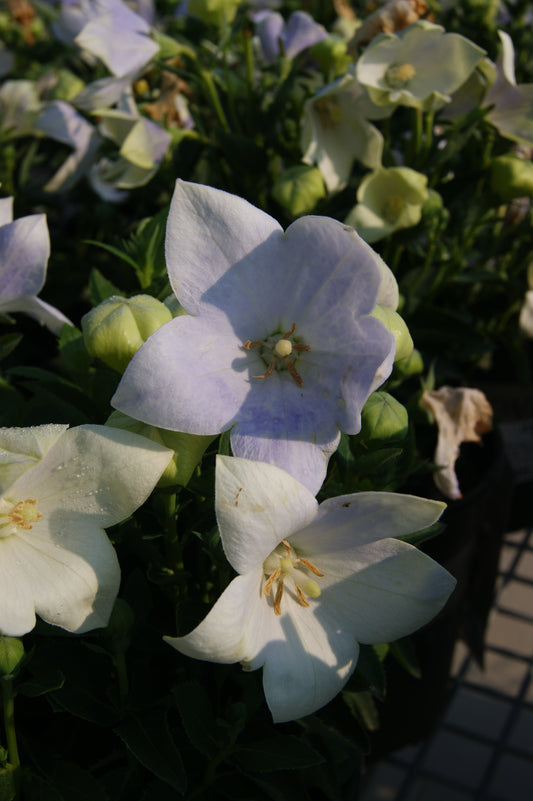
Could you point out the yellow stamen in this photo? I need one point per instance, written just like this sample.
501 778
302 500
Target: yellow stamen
24 514
398 75
301 597
277 599
282 563
271 580
313 568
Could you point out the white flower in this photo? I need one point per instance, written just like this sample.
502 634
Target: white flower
313 581
59 488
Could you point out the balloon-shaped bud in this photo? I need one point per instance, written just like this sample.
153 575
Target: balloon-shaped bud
115 330
397 327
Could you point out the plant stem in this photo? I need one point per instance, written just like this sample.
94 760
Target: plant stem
209 85
8 702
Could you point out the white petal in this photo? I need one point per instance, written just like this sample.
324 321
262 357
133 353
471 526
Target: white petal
257 506
383 591
94 470
220 637
72 570
6 210
43 312
345 523
23 448
310 666
17 612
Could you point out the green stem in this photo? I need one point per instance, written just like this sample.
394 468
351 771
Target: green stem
172 541
417 134
209 85
8 701
429 132
119 661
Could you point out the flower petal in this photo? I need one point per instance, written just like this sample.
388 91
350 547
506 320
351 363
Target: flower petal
43 312
94 470
188 376
387 591
305 460
220 637
72 569
209 231
17 611
257 506
119 37
345 523
25 249
6 210
306 669
23 448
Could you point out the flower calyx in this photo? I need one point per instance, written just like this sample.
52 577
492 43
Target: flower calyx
282 564
278 349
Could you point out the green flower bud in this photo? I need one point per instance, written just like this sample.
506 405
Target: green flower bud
511 177
398 327
383 420
188 448
214 12
11 654
65 85
409 365
331 55
115 330
298 189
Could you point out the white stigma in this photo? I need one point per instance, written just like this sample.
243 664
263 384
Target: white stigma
283 347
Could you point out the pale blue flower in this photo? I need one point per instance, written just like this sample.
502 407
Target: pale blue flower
118 36
277 345
24 253
297 34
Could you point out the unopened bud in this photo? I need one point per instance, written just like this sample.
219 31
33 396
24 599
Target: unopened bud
398 328
115 330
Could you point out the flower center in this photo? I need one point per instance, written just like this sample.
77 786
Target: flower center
283 564
20 515
275 351
329 111
392 208
398 75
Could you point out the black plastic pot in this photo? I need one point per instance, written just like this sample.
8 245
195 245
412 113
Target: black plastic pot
469 548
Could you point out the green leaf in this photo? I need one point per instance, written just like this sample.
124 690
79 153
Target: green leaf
100 287
73 351
88 679
197 717
38 789
48 679
75 782
115 251
363 708
8 343
404 652
8 789
148 247
224 446
370 668
417 537
284 752
149 740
